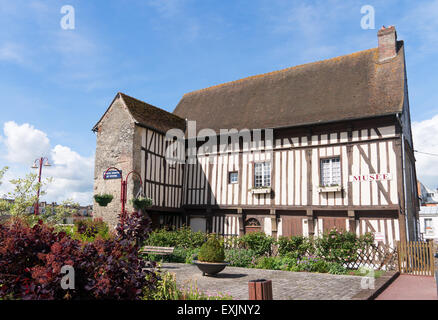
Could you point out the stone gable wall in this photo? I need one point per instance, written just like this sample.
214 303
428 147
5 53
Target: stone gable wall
114 147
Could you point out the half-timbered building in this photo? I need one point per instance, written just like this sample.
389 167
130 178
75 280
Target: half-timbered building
329 145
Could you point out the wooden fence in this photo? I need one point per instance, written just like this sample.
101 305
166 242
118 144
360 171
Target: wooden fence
416 258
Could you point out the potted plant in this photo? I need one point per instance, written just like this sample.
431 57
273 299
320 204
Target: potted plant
211 257
103 199
141 203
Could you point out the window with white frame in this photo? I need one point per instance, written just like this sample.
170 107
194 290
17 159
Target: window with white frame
428 229
331 172
233 177
262 174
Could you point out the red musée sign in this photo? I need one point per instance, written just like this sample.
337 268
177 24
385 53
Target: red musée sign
371 177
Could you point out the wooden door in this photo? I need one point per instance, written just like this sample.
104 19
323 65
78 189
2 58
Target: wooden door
329 223
292 226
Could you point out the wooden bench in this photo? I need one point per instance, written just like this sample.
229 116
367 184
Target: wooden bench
162 251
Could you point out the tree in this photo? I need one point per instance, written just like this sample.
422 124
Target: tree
5 205
25 193
2 173
65 210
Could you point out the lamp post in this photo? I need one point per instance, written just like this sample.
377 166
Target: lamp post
39 163
123 188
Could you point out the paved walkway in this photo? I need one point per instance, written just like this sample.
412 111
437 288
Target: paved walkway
285 285
407 287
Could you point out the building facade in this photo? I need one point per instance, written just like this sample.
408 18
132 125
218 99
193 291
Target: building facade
429 223
292 152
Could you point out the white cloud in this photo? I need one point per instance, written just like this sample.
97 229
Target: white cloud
72 173
425 135
167 8
12 52
24 143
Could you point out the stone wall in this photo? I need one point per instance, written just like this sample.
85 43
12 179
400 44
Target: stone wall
114 148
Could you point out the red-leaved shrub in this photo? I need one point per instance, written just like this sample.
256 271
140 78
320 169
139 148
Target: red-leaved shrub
31 260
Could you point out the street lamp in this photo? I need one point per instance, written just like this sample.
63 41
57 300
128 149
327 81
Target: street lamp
39 163
123 192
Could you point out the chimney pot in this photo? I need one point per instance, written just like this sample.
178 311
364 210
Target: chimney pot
387 43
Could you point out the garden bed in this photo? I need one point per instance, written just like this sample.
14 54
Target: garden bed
330 253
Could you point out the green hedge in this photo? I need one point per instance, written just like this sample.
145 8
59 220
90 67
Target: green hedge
182 238
341 247
328 253
258 242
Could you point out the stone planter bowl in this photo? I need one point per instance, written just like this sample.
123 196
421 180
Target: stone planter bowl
210 268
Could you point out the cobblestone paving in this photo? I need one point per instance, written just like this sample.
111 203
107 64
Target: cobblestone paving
285 285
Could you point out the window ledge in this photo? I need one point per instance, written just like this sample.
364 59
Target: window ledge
263 190
330 189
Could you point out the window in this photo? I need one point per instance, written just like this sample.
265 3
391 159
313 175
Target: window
428 229
233 177
262 174
330 172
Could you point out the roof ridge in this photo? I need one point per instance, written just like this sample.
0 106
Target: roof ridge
150 105
276 71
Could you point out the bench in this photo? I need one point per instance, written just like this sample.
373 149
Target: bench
162 251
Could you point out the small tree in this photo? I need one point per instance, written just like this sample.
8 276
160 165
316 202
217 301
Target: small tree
2 173
5 205
66 209
25 193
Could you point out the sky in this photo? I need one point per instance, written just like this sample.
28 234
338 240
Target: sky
56 82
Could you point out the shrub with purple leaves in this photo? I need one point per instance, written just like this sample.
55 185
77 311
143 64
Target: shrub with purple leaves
31 259
134 227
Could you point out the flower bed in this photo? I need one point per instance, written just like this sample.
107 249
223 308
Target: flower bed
330 253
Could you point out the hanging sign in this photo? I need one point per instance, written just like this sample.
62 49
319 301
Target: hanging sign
112 174
371 177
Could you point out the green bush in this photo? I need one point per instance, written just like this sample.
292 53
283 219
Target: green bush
312 264
191 255
88 230
68 229
212 251
181 238
258 242
295 246
341 247
179 255
270 263
240 257
336 268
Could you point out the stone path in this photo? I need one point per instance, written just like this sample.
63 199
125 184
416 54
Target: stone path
285 285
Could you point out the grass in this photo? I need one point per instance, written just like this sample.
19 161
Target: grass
377 273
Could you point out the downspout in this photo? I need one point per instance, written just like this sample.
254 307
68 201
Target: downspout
404 178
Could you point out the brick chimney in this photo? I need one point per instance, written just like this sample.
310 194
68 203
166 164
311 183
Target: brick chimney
387 43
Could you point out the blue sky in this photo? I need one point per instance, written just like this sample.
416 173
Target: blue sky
56 83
